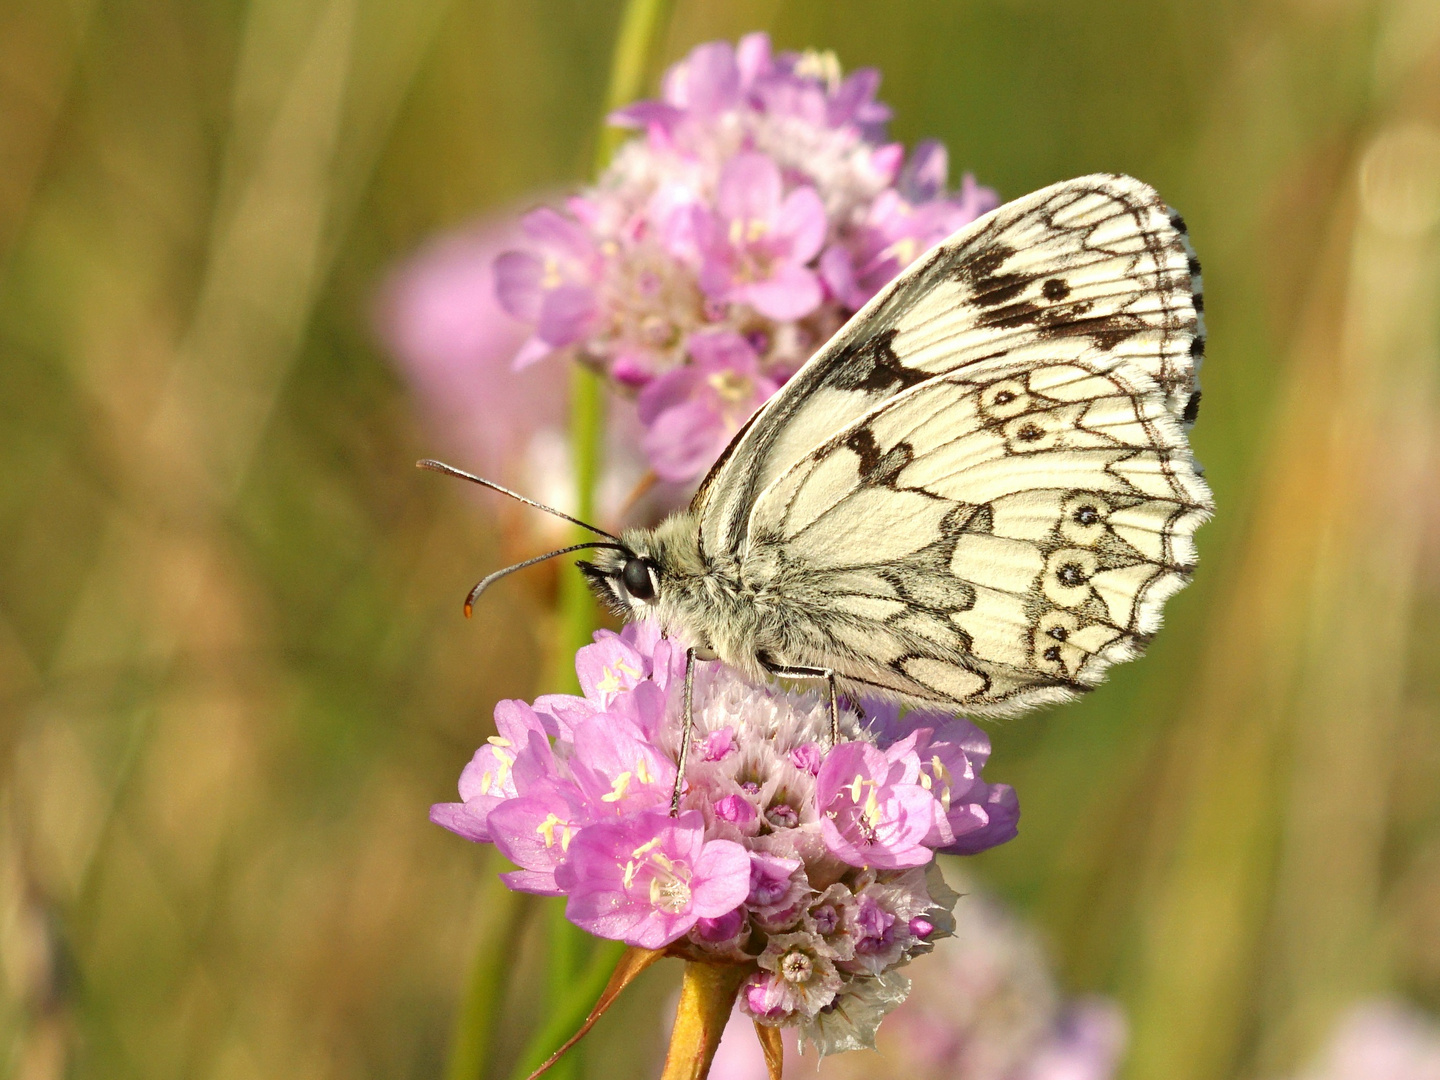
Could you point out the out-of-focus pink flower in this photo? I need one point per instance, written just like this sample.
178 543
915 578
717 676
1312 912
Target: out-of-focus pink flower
983 1007
441 319
755 244
1086 1043
692 412
761 199
1380 1040
551 285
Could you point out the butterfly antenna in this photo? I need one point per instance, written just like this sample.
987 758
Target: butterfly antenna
450 470
490 579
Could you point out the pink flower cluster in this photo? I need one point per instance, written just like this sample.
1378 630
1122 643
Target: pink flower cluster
813 866
759 209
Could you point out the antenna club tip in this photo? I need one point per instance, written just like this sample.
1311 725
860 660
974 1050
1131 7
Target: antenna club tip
469 609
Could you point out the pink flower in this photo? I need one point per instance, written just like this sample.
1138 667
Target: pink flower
755 245
500 770
802 979
534 831
899 225
440 318
1380 1039
874 811
550 285
618 768
762 200
1087 1044
692 412
647 880
974 815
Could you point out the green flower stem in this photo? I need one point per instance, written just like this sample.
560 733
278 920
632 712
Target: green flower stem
640 29
635 47
578 971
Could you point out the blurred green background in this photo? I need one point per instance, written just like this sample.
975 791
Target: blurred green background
232 669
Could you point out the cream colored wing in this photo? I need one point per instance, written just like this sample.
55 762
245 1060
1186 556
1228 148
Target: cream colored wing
986 540
1095 270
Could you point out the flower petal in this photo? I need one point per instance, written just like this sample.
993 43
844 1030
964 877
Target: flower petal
517 284
749 189
684 441
791 292
565 314
722 879
802 221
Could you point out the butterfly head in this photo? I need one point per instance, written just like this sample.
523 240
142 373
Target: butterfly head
627 580
646 573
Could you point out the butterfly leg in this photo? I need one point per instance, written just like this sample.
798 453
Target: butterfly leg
793 671
688 725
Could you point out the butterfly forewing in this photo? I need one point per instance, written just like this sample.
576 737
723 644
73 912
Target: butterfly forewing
980 493
1094 268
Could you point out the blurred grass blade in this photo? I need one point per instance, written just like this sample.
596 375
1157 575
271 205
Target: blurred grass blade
505 914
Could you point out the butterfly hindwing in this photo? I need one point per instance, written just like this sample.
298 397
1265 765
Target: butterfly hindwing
988 539
1094 269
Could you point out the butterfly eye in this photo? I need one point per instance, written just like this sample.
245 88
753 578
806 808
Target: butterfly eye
638 580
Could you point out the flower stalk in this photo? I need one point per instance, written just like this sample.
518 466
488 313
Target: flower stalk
707 994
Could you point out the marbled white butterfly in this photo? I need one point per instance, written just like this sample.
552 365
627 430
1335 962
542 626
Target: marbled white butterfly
979 494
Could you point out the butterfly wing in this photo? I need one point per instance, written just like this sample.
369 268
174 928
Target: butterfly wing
980 493
988 540
1097 267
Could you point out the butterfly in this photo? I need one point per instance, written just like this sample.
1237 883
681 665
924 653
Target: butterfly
977 496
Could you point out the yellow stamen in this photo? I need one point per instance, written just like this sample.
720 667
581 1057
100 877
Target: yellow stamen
731 386
903 250
610 682
547 829
645 848
942 774
871 812
617 789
